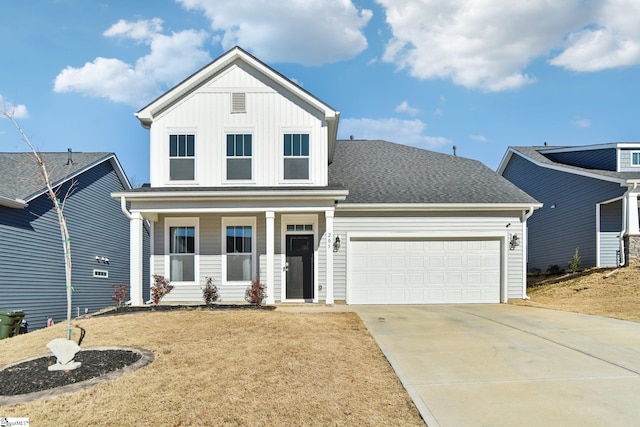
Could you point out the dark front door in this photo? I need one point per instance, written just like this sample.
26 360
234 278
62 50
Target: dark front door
299 266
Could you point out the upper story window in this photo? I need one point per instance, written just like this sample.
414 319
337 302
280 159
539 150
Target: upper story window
635 158
296 156
239 151
182 157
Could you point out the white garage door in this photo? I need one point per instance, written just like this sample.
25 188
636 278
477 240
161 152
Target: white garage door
424 271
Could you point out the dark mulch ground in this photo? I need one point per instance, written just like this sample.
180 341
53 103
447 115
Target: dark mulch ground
126 309
33 375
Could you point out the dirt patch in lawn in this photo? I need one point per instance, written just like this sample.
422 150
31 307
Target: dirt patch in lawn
217 367
604 292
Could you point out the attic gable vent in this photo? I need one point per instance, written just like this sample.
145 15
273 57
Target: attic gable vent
238 102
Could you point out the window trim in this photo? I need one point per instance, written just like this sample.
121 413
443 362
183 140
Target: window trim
631 153
168 157
296 131
182 222
239 221
235 131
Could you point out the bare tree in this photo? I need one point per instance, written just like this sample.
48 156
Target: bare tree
59 206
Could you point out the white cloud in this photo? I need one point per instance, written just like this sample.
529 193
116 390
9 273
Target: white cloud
303 32
479 138
141 30
404 107
18 111
438 112
408 132
171 58
612 41
582 123
487 44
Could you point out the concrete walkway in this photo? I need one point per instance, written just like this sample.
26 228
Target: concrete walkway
505 365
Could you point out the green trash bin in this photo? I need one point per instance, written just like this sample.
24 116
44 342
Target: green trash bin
10 323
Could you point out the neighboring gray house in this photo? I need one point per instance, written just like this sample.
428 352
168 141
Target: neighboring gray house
32 275
590 197
248 181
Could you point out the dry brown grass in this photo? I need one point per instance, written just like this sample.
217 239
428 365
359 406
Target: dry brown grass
604 292
228 368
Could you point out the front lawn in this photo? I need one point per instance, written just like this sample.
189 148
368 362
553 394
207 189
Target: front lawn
227 368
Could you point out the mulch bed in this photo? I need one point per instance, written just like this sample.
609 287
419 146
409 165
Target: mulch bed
33 375
126 309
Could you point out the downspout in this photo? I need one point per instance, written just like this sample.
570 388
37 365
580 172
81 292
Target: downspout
623 260
525 240
123 206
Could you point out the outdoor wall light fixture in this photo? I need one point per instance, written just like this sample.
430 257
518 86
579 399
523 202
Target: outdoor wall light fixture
101 259
336 244
514 242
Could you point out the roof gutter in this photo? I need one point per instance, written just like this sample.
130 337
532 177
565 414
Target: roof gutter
230 195
13 203
438 207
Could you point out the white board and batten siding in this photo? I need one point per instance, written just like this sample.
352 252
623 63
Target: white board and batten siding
207 113
436 258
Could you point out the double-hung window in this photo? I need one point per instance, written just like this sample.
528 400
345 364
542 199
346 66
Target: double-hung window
635 158
182 249
182 157
296 156
239 152
239 249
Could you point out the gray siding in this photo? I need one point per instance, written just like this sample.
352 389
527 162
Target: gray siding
32 275
555 233
455 224
625 161
610 228
604 159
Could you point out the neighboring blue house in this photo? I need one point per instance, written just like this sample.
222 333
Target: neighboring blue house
32 275
590 201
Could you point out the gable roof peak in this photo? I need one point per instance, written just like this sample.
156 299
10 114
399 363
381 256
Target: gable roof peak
147 114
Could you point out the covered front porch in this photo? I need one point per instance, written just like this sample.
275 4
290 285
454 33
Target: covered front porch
284 238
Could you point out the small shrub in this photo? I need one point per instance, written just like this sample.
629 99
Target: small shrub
554 270
535 272
574 264
120 292
160 288
255 293
210 292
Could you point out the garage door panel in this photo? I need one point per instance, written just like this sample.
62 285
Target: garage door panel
424 271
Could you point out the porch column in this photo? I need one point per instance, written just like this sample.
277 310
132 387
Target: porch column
270 287
135 258
328 215
632 208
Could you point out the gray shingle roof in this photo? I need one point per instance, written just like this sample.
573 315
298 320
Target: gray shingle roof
385 172
20 176
534 154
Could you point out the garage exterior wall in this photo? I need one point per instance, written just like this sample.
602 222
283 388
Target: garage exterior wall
440 225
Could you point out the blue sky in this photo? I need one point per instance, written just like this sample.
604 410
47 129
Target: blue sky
480 75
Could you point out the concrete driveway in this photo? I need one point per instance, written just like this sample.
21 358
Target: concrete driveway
505 365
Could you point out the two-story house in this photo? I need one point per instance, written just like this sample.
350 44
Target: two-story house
590 196
248 180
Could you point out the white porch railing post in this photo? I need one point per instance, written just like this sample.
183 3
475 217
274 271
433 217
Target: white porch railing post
270 230
328 215
632 207
135 258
